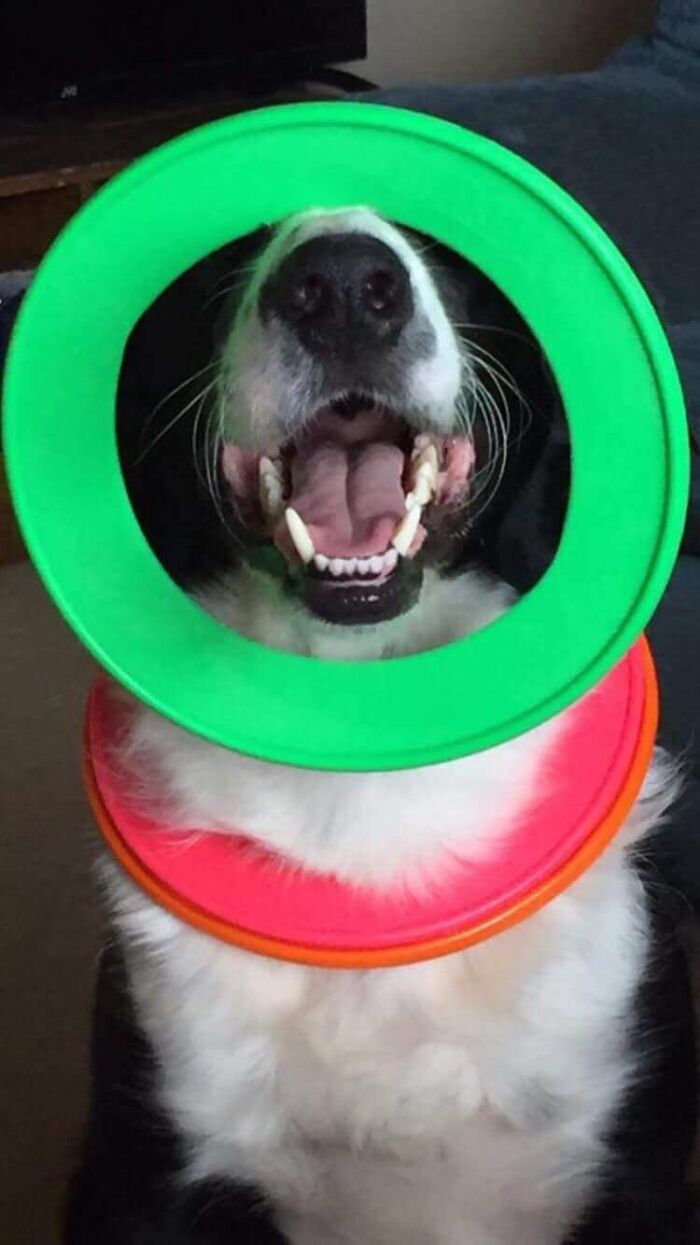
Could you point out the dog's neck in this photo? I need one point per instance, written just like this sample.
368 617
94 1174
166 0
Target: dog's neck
372 828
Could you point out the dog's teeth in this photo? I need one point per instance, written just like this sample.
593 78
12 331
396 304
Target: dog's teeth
271 500
427 463
426 466
269 472
405 533
270 487
362 566
423 490
300 535
344 566
420 443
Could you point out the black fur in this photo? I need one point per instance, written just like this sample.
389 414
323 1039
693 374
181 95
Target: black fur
126 1191
646 1198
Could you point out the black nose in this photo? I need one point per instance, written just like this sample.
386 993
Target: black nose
341 293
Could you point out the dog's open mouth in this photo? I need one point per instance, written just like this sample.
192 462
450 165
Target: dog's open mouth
348 503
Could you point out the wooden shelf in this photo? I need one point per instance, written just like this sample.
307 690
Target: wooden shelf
51 161
69 145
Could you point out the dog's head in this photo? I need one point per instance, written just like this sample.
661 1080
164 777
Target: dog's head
371 403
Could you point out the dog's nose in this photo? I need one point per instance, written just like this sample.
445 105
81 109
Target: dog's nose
341 294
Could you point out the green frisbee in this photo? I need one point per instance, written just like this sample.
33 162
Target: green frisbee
593 319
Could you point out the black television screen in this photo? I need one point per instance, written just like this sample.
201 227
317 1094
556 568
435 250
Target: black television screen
70 48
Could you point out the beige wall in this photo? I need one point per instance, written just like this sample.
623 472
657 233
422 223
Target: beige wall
469 40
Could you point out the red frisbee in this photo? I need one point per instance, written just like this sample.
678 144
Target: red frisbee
236 891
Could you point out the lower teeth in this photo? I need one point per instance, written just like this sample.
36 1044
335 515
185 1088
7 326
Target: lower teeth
354 567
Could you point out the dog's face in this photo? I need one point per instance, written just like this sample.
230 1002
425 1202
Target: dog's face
368 394
358 435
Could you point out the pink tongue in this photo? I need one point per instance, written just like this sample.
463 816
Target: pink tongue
349 496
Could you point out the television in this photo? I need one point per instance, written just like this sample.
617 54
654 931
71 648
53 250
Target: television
68 50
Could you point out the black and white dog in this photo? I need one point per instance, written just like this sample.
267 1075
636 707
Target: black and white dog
372 414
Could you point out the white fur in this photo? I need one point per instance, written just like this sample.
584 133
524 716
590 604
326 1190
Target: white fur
364 827
462 1101
457 1102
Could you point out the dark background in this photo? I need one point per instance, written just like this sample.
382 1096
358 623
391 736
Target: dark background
46 47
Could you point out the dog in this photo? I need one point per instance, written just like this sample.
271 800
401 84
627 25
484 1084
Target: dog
370 411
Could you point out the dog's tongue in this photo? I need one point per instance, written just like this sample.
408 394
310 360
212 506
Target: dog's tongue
346 483
350 497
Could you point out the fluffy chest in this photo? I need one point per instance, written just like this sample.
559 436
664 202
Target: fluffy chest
460 1089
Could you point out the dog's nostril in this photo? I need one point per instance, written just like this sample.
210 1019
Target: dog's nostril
340 294
308 294
380 291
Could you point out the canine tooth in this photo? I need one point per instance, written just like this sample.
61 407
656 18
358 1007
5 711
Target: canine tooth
269 473
427 462
427 470
423 491
272 504
376 564
270 496
270 487
420 443
299 534
405 532
390 559
336 565
321 561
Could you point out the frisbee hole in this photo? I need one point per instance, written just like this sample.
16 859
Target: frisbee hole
167 418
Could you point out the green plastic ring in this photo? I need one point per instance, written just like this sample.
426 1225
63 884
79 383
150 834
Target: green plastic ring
588 310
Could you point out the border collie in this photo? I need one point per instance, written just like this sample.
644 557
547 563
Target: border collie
370 413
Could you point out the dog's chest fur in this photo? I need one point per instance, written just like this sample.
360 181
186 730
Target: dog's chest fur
460 1101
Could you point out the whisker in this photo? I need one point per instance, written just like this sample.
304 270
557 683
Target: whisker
175 420
213 439
497 328
496 424
238 274
196 453
501 378
495 368
177 389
